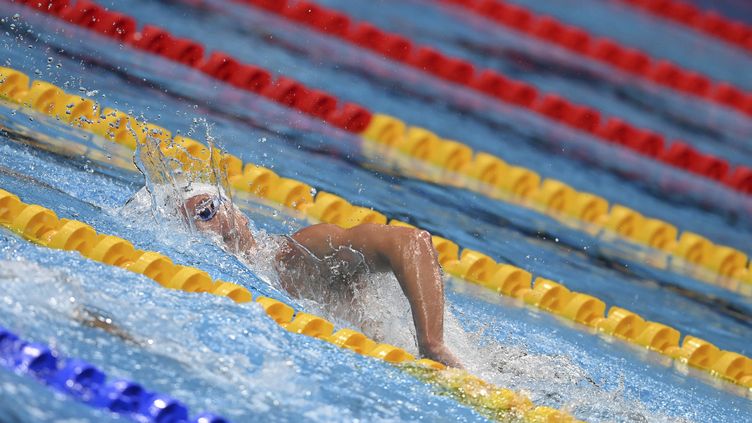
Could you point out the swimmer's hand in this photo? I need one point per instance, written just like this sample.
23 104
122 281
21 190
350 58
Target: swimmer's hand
442 354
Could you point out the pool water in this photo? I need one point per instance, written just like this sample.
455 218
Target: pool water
229 358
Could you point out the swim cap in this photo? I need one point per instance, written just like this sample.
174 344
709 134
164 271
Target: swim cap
193 189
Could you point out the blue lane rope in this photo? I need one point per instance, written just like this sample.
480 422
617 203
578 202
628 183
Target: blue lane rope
84 382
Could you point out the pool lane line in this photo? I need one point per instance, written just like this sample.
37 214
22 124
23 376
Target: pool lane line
553 197
501 88
471 266
707 22
41 226
493 178
558 198
86 383
286 91
489 176
610 52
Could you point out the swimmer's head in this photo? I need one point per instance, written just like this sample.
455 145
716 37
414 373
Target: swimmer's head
211 211
188 190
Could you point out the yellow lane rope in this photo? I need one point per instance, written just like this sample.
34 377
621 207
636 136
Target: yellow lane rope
470 265
42 226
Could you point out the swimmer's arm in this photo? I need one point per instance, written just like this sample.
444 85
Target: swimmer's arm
410 255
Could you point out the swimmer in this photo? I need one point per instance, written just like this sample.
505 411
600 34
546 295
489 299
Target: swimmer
328 254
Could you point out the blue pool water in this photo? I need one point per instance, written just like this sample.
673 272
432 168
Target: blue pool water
230 358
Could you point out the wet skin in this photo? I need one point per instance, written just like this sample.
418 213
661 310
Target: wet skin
407 253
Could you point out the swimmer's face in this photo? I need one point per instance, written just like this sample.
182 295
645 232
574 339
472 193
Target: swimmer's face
212 213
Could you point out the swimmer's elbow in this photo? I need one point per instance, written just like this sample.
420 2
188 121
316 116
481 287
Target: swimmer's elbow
417 240
422 236
409 246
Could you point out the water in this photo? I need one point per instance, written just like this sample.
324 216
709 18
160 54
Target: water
230 358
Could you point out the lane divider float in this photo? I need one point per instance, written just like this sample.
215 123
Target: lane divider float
708 22
486 174
494 178
42 225
86 383
610 52
286 91
556 197
421 144
552 106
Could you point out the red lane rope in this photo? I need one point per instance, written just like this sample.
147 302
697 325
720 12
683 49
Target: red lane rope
221 66
610 52
708 22
355 118
612 130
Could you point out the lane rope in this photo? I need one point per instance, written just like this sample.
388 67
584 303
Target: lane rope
472 266
708 22
286 91
42 226
610 52
494 178
614 130
86 383
514 184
